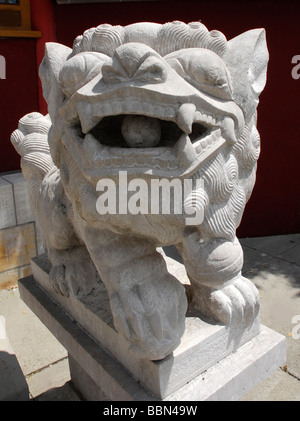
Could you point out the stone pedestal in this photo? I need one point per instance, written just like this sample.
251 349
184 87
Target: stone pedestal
211 363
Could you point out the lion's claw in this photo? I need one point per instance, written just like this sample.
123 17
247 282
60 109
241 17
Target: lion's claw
73 272
236 304
149 322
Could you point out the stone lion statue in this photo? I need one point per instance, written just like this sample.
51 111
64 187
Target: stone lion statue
154 102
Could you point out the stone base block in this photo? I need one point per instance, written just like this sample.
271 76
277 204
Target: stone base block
203 344
100 376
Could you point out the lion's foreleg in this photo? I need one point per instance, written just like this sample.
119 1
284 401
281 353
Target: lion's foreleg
219 289
148 304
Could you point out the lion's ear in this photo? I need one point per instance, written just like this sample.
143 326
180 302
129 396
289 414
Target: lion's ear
247 60
55 57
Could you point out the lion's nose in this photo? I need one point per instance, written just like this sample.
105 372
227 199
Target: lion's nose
135 62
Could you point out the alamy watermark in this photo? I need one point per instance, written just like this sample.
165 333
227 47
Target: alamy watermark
153 197
296 69
296 329
2 67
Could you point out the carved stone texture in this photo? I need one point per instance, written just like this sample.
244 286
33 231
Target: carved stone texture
164 103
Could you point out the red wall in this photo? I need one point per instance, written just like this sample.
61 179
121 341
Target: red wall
18 94
42 19
274 207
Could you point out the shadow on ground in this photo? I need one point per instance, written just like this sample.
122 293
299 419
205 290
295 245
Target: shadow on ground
277 272
67 392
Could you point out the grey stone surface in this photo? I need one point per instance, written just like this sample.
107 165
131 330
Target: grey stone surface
52 376
60 394
203 344
21 197
253 258
99 365
84 383
278 283
238 373
31 340
272 245
40 243
292 255
13 386
227 380
7 206
280 386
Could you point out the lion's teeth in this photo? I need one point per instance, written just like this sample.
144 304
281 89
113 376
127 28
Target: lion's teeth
136 106
185 151
227 128
116 107
106 108
91 147
185 117
146 108
88 123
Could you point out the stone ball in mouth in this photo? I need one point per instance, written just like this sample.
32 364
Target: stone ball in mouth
141 131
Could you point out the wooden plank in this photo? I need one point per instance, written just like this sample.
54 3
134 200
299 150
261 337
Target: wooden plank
18 33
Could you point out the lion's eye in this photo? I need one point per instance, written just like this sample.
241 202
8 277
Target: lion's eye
203 69
79 70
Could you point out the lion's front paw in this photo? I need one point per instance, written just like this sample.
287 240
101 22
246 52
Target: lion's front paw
58 281
235 304
73 272
151 316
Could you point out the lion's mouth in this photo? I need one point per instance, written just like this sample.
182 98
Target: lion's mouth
139 143
141 131
155 143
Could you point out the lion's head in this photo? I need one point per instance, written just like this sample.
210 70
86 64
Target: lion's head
172 100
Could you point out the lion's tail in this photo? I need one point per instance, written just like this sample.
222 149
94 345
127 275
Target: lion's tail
31 142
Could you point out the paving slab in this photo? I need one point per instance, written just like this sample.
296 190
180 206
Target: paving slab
32 342
64 393
253 258
273 245
280 386
278 283
54 376
292 255
13 386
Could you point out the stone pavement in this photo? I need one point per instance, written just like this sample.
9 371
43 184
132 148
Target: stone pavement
272 263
